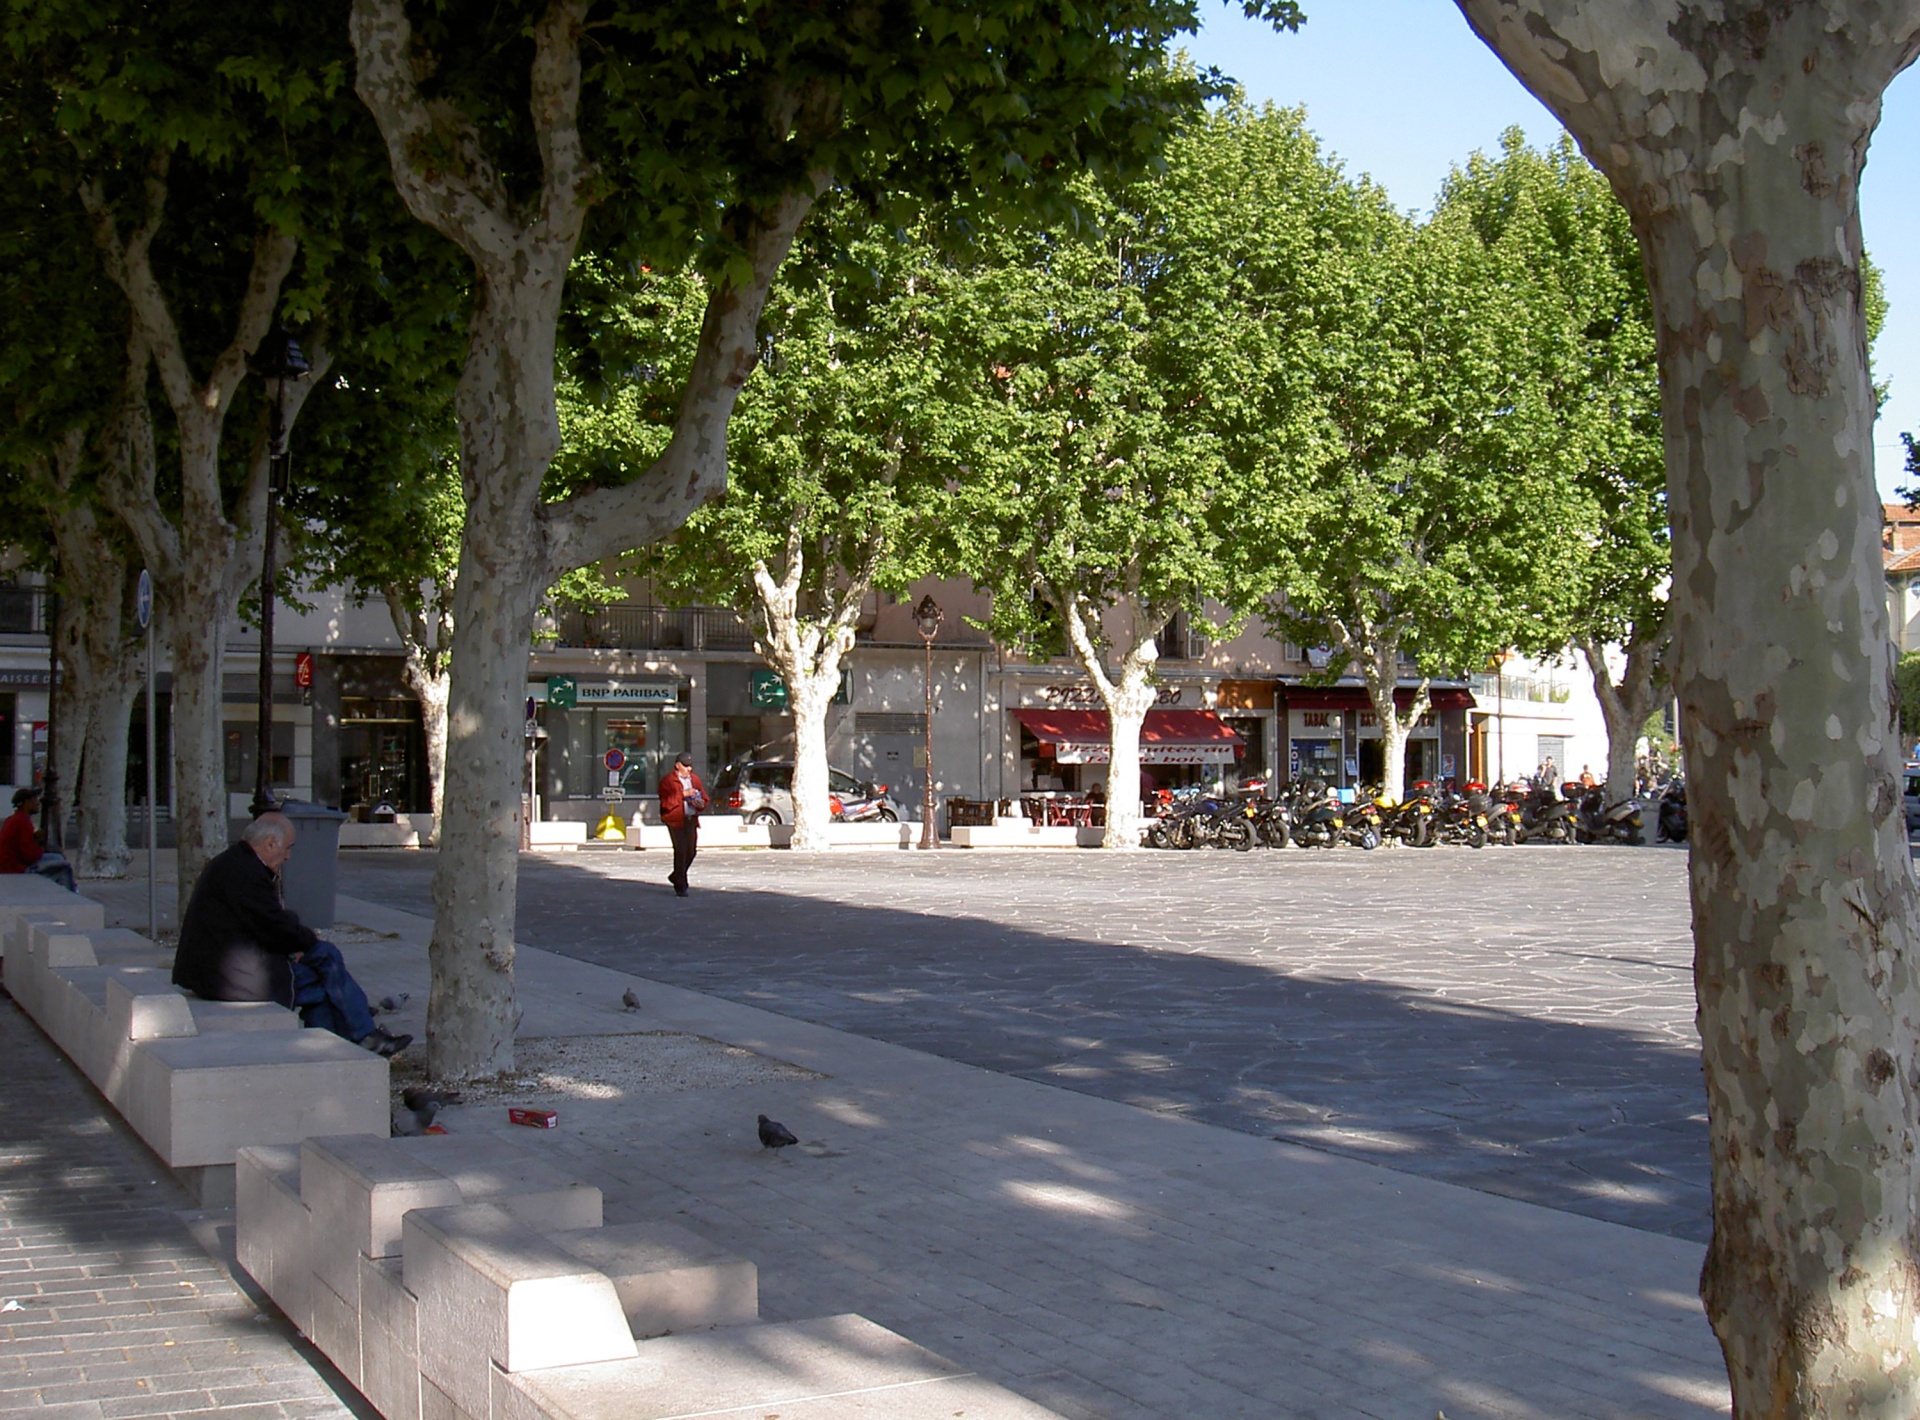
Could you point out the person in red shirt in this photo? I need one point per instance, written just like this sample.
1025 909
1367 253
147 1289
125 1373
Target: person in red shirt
682 799
21 850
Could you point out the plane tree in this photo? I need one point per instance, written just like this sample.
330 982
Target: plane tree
679 133
1734 134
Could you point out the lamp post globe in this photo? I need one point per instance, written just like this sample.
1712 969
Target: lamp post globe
926 619
279 362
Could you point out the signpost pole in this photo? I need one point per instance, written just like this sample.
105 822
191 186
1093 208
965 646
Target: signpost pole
143 612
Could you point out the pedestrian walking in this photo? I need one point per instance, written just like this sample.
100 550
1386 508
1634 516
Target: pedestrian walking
683 798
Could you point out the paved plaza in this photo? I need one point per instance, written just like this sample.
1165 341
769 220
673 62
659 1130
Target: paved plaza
1514 1020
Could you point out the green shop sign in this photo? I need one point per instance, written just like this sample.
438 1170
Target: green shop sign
767 691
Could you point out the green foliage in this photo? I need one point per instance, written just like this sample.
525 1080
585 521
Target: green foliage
1906 677
1134 384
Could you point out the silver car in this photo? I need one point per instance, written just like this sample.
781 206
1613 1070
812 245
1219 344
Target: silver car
761 791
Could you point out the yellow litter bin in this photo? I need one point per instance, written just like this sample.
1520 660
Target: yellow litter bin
611 829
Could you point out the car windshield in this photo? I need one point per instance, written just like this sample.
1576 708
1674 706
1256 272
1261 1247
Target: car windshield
844 783
728 778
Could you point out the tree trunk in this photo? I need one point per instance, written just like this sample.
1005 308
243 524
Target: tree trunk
1377 653
195 650
425 637
1127 697
808 695
432 691
509 433
100 825
1625 706
1737 145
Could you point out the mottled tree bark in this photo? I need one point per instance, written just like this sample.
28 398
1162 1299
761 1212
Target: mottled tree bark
1626 703
1127 694
1735 133
807 647
426 643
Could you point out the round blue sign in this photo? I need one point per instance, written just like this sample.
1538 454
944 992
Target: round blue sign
143 599
615 761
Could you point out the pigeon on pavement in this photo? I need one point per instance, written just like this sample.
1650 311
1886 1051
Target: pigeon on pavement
418 1105
630 1000
775 1135
390 1004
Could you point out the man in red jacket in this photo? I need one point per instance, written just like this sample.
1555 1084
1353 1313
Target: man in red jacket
21 850
682 800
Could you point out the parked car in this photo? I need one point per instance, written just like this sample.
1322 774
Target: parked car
761 791
1912 797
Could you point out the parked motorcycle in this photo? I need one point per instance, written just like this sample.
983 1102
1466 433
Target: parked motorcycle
1411 820
1464 816
1546 816
1670 825
1597 821
1317 816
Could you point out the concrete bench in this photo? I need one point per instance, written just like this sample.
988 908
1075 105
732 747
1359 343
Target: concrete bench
824 1369
29 892
196 1079
440 1276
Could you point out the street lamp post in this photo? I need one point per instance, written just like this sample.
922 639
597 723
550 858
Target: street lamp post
278 361
50 814
926 618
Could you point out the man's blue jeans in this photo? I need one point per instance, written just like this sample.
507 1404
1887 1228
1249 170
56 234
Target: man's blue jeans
327 996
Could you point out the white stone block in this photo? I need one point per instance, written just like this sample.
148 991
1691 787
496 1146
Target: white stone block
389 1340
831 1368
336 1327
272 1228
197 1100
242 1015
146 1006
494 1291
666 1278
358 1189
20 969
488 1170
22 894
436 1404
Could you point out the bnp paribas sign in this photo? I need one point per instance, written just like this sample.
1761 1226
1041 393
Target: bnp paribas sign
615 692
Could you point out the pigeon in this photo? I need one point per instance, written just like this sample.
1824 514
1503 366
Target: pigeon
630 1000
775 1135
414 1114
390 1004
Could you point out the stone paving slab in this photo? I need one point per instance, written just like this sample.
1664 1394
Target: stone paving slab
121 1313
1519 1020
1104 1261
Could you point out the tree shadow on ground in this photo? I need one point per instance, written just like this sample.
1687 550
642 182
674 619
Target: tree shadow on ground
1579 1117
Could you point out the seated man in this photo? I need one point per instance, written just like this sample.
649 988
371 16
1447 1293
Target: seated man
238 942
21 850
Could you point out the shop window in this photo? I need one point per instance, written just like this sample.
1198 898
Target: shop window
383 756
579 739
242 747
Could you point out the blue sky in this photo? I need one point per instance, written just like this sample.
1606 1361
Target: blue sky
1402 91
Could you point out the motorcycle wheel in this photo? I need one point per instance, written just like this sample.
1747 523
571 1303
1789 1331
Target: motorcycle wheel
1236 834
1369 840
1424 834
1157 837
1476 837
889 816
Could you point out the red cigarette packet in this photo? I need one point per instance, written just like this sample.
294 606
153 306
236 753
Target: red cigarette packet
533 1118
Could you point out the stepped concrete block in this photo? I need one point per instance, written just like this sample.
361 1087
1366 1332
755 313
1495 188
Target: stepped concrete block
62 945
273 1228
490 1170
143 1005
122 946
336 1327
19 970
495 1292
666 1278
830 1368
28 894
389 1340
436 1404
73 1012
197 1100
242 1015
359 1188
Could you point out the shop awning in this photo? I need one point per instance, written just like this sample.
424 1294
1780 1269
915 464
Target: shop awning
1167 737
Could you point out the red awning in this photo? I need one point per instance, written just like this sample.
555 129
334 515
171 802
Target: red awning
1167 737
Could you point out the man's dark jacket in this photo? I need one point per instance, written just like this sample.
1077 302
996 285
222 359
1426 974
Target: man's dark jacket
236 938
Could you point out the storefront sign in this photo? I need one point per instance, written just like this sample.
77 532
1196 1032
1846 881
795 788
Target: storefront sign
1087 697
303 670
564 692
767 691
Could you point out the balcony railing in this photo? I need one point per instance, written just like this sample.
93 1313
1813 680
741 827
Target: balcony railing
654 628
1541 690
23 611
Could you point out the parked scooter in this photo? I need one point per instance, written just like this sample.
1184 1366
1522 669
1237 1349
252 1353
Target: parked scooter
1317 819
1464 816
1411 820
1546 816
1597 821
1671 823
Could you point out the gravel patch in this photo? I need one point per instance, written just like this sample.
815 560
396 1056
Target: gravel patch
611 1067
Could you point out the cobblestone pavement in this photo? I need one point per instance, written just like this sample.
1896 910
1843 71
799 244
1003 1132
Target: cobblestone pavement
1514 1020
108 1308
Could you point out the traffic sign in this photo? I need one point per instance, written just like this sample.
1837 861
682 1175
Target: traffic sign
563 692
613 793
143 599
615 760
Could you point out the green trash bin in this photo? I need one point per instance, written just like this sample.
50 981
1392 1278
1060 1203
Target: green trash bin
309 879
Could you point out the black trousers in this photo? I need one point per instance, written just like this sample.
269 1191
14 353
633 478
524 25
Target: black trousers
686 844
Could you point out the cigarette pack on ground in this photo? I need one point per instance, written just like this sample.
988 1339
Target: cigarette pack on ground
533 1118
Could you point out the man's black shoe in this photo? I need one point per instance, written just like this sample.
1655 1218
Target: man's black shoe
384 1043
679 892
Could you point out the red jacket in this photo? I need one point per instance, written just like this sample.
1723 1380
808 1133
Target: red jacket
19 845
673 798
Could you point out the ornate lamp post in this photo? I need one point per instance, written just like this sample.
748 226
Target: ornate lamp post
278 361
926 618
